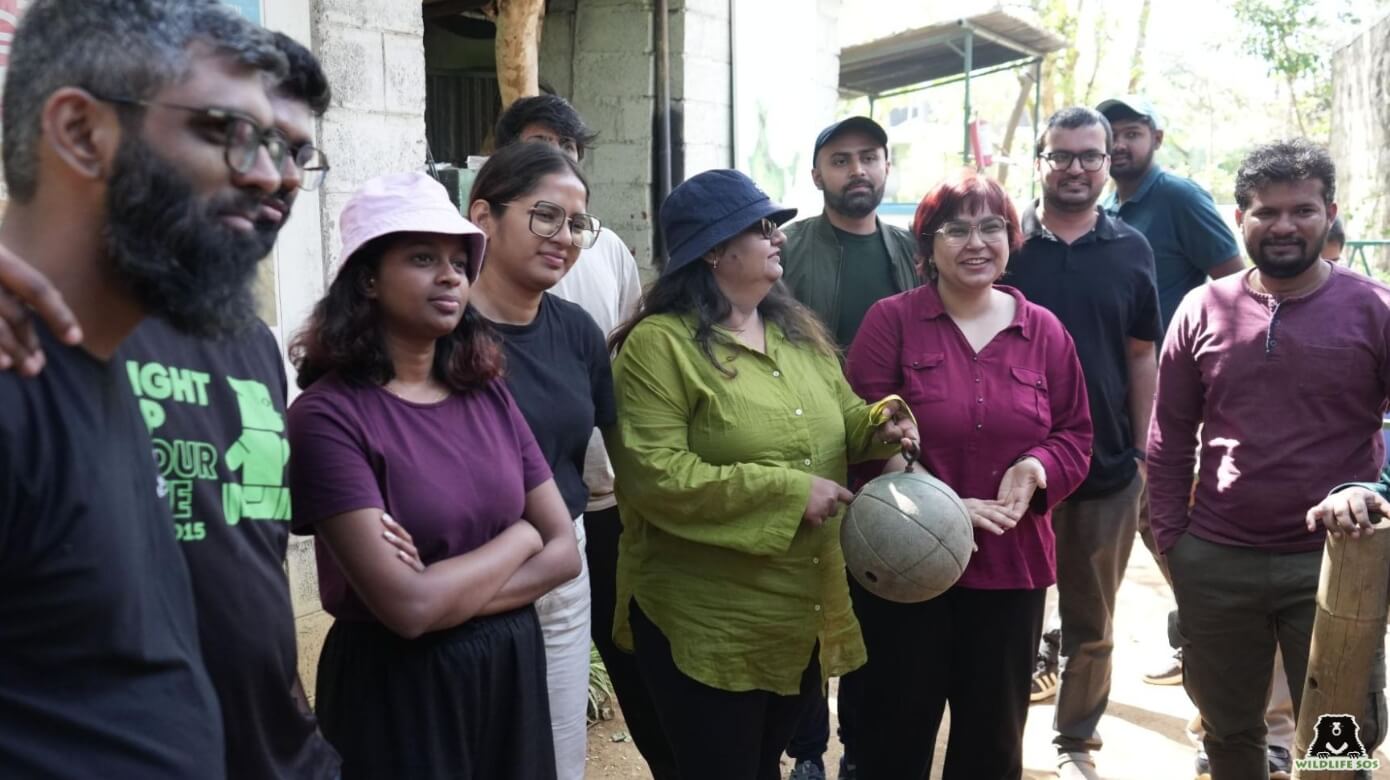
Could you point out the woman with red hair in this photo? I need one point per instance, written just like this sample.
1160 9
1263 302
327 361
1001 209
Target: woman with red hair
998 388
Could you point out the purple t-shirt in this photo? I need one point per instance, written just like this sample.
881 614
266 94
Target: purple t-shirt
1287 396
454 473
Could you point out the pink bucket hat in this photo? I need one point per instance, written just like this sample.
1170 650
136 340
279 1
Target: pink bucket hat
406 203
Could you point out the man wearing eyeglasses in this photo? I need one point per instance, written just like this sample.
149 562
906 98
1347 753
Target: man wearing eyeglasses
1097 275
132 206
215 410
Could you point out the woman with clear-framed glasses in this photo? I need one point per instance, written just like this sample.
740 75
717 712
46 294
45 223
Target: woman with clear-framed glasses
997 385
531 201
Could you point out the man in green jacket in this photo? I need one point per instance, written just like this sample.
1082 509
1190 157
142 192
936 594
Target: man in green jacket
841 262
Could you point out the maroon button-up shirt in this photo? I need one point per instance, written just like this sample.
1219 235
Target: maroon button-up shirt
1023 394
1288 396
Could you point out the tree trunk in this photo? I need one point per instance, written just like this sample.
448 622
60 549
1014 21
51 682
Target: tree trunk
1350 624
1025 87
518 47
1136 66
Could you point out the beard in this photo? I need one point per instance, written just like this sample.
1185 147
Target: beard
1285 268
1134 169
855 204
1071 201
172 251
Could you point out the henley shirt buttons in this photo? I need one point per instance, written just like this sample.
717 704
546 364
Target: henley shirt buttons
776 373
979 400
817 608
815 560
978 426
806 462
798 412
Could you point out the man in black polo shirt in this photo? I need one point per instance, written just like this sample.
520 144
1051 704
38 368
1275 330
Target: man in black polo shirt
1097 275
137 155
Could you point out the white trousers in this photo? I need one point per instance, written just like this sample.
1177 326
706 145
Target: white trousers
565 618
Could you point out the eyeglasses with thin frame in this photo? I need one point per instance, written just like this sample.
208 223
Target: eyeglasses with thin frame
765 227
1060 161
993 230
243 137
311 163
548 218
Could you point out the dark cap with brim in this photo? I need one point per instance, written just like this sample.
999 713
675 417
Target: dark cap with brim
861 123
709 209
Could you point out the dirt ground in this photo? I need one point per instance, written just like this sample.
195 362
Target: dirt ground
1144 727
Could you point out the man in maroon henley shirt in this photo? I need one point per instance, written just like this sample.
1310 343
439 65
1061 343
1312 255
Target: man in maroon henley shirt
1284 372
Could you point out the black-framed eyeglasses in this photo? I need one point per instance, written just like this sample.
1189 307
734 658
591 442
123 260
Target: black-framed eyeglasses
548 218
243 137
1061 161
993 230
311 163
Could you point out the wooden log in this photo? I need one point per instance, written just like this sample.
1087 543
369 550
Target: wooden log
518 48
1350 625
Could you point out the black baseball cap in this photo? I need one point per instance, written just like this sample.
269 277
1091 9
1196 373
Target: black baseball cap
861 123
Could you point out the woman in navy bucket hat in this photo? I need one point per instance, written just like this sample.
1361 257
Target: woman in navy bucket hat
735 429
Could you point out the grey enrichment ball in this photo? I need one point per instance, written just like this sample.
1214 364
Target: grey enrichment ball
907 537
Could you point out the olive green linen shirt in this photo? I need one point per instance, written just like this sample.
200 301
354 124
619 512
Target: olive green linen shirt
713 474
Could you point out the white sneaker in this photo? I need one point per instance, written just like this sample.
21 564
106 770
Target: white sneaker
1076 766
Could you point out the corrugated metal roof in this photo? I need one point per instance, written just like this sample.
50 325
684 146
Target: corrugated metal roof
935 51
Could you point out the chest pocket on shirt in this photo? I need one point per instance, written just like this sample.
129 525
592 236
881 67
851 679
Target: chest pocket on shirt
1324 369
925 377
1030 394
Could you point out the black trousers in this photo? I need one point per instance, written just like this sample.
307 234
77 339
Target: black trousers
973 649
812 737
730 735
602 529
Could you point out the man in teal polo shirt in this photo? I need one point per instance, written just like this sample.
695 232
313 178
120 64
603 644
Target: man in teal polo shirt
1190 239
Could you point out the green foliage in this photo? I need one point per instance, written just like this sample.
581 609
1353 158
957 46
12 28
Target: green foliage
600 688
1292 37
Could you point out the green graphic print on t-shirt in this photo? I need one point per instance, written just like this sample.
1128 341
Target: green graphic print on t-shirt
252 483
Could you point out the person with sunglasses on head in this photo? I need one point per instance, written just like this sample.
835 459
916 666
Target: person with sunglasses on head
1097 275
434 671
734 432
129 194
531 200
1011 434
231 513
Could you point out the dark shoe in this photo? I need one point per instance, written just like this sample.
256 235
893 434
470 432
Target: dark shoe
1280 763
1045 678
1202 765
1167 673
848 771
807 770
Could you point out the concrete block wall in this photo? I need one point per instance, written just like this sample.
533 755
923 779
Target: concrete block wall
701 56
373 52
599 55
1360 142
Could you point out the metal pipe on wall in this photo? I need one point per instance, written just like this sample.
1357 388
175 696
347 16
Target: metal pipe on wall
663 99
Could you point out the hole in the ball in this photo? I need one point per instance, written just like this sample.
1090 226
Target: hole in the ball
870 576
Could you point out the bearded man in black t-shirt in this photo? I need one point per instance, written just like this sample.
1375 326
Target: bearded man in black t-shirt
215 409
137 157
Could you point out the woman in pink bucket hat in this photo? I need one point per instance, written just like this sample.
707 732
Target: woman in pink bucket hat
437 671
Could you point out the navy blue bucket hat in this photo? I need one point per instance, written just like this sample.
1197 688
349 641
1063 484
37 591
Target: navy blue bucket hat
710 208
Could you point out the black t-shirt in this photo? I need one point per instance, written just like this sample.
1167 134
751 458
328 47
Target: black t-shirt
100 670
1102 289
216 413
866 277
560 375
